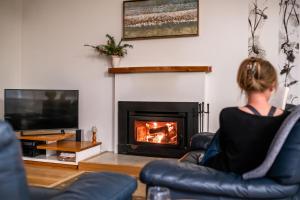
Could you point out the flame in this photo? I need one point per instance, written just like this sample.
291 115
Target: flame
159 138
156 132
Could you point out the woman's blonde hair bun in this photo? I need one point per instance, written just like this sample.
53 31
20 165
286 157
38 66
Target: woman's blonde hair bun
256 75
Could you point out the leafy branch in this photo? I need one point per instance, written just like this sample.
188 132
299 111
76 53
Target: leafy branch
288 7
256 17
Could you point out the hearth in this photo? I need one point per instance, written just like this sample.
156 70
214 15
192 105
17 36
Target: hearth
156 128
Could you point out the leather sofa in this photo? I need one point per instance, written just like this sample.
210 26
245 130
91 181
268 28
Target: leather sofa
187 179
13 183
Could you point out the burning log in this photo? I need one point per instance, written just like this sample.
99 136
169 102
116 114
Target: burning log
156 132
163 129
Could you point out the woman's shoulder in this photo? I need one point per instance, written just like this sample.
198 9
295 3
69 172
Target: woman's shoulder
229 110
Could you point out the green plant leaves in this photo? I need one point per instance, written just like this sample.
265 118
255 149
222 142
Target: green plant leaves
111 47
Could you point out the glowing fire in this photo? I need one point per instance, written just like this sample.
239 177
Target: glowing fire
156 132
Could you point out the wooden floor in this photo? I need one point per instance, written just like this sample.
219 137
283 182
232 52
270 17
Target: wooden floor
128 164
109 161
50 176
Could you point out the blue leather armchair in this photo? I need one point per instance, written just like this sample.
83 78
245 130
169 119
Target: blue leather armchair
13 184
186 179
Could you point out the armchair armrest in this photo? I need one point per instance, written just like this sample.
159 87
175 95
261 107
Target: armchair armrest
200 141
104 185
37 193
203 180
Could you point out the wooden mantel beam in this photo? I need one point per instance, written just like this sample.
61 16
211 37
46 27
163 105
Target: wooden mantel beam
157 69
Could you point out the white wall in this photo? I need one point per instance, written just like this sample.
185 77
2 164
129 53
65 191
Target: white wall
53 55
10 46
54 32
42 47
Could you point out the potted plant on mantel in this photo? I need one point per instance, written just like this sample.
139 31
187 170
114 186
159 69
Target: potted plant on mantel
112 49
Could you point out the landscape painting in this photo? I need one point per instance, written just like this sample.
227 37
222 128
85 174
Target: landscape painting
160 18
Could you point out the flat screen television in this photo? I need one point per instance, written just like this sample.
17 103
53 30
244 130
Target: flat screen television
28 109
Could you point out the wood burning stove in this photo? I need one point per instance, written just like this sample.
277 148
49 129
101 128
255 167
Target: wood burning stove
156 128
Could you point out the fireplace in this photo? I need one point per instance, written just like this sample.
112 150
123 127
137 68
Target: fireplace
156 128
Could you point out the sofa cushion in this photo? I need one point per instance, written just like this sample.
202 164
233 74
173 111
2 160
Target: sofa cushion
197 179
105 185
201 141
275 147
13 184
287 164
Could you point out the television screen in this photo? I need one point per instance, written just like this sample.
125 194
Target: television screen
28 109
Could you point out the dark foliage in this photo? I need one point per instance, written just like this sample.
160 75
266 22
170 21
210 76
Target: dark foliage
256 17
288 7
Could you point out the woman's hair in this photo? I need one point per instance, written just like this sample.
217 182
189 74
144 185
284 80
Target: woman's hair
256 75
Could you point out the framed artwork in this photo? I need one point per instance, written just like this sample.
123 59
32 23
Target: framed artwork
144 19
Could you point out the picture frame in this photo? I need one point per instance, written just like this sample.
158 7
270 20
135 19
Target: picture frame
149 19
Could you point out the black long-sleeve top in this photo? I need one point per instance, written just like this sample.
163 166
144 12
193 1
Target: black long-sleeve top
244 140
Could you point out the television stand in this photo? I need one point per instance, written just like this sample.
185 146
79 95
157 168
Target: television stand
41 132
59 145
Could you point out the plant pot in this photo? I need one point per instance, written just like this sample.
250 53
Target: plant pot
115 61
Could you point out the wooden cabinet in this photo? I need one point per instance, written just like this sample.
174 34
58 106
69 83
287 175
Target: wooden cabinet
62 148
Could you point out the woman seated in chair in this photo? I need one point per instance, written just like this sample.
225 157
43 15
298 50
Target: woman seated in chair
246 132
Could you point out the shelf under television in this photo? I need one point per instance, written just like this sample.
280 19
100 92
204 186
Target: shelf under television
69 146
53 138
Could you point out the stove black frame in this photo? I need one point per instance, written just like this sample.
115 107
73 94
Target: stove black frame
184 113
